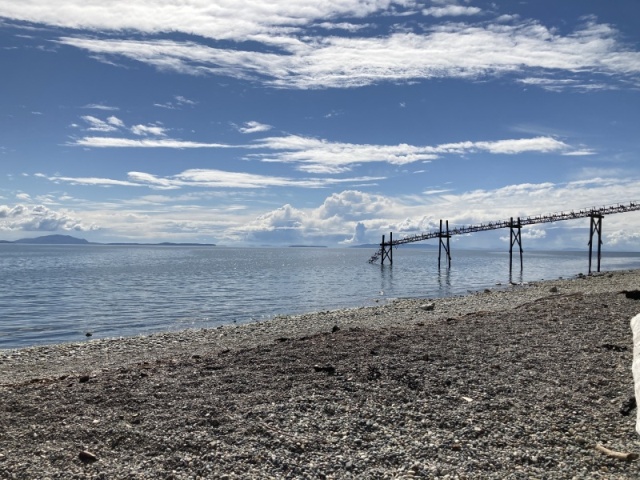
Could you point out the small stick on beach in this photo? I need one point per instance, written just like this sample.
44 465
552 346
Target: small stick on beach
627 456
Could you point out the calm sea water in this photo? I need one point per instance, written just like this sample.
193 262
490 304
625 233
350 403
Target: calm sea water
53 294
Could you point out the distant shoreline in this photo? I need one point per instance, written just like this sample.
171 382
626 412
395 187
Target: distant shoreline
69 240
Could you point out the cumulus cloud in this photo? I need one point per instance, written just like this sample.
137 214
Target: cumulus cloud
353 205
359 235
39 218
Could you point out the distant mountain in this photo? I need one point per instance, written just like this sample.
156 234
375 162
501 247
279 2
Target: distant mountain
69 240
53 240
163 244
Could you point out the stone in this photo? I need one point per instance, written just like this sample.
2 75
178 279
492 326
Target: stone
87 457
427 307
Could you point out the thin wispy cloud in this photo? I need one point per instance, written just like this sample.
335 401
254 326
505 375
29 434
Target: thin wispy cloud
319 156
207 178
144 130
453 50
254 127
451 11
258 21
116 142
95 124
179 102
99 106
322 156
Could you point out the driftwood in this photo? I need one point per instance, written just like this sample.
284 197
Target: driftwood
627 456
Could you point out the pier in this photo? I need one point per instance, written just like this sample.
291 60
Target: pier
443 234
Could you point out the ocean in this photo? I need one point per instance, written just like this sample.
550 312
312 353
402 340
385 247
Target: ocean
59 293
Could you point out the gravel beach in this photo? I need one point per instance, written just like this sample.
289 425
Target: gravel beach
520 381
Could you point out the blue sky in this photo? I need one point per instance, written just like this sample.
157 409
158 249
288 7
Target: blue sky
247 122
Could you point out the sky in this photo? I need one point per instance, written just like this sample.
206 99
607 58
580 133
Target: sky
279 122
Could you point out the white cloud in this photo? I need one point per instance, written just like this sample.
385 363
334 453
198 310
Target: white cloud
180 101
455 50
184 101
226 19
115 121
254 127
322 156
349 27
97 125
207 178
115 142
451 11
144 130
99 106
94 181
41 219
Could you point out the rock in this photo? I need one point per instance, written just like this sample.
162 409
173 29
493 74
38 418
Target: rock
427 307
87 457
335 329
553 289
84 378
328 369
632 294
628 406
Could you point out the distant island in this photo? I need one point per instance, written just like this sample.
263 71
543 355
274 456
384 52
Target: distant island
69 240
307 246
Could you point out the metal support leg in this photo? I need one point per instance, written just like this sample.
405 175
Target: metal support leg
442 244
387 250
516 238
596 227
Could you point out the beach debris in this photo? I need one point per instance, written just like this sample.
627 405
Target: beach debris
632 294
628 406
87 457
427 307
614 348
627 456
328 369
635 364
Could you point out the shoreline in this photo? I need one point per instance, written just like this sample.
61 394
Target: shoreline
519 382
100 352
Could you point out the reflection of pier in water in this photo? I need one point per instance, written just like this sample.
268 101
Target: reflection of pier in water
515 227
